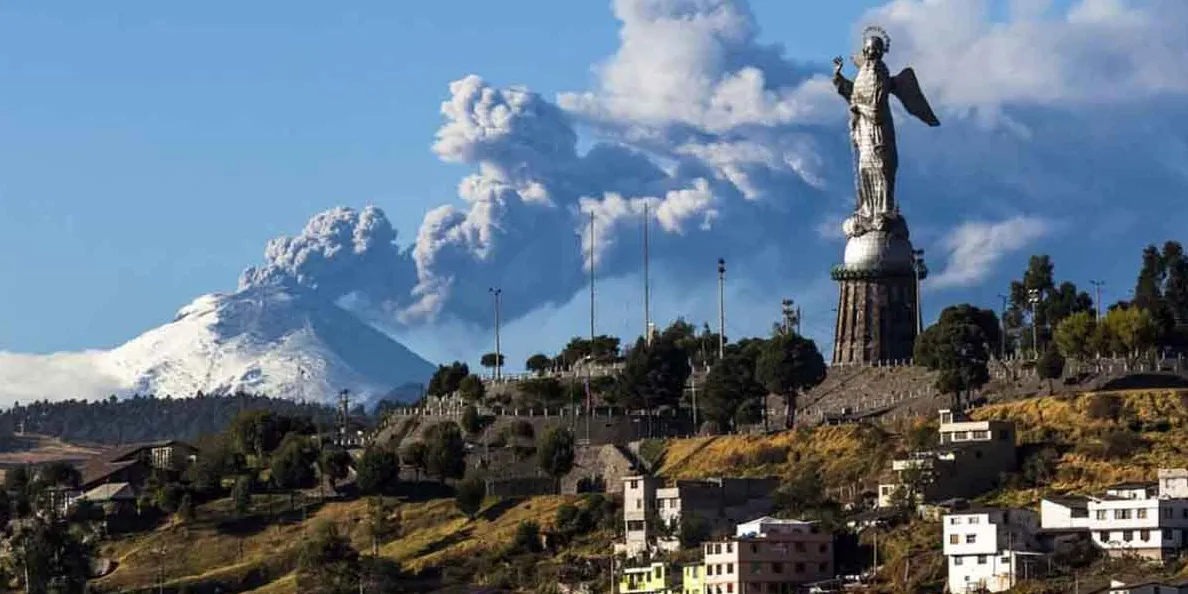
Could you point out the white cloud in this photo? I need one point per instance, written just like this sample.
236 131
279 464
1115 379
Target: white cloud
60 376
974 248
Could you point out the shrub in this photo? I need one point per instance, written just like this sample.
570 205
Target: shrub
1104 407
527 538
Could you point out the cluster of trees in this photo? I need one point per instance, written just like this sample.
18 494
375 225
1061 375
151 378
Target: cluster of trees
1064 320
456 378
148 418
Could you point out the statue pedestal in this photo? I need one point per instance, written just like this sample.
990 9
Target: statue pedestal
877 304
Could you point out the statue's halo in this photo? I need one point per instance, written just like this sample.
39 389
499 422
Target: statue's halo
881 33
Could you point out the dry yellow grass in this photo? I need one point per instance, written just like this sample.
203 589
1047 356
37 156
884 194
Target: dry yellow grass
432 533
843 454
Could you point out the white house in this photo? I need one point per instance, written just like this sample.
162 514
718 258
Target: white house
1176 586
1145 519
990 549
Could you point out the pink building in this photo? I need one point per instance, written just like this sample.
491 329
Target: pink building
768 556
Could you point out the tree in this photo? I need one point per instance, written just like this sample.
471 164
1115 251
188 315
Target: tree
447 379
260 432
471 422
59 474
327 563
334 463
788 365
241 496
472 389
538 363
527 537
1175 292
491 360
1051 365
415 455
984 319
292 464
380 524
51 557
1076 336
959 352
653 375
544 390
445 451
1132 331
732 396
468 495
217 459
378 472
185 510
1148 289
556 452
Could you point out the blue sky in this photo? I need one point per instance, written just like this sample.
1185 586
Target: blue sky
149 150
148 153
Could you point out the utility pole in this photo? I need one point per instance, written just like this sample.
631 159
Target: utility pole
344 411
498 355
693 395
790 317
647 287
721 309
919 270
1002 325
591 256
1097 284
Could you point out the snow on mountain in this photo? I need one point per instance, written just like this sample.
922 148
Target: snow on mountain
270 340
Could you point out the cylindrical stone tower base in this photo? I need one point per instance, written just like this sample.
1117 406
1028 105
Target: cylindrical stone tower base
876 318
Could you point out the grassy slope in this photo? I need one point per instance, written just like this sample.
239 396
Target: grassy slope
432 533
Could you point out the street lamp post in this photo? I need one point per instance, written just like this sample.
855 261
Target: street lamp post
1097 284
498 355
919 270
1033 298
1002 325
721 308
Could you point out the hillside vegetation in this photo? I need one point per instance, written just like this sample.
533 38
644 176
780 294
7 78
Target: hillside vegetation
431 536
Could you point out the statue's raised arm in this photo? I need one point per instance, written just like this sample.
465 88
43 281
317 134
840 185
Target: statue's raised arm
872 129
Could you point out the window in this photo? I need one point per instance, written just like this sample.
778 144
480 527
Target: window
1144 535
729 568
957 560
799 547
1101 514
960 435
823 567
1141 513
634 484
639 504
981 435
709 549
756 568
1167 534
798 568
777 568
1127 535
1167 512
974 520
730 587
1006 560
1103 536
729 547
971 538
824 548
954 521
1121 514
772 588
982 559
717 549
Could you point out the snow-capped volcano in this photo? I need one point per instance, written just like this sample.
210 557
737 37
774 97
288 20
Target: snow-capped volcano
271 340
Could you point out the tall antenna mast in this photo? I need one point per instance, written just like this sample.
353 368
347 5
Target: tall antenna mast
647 287
591 279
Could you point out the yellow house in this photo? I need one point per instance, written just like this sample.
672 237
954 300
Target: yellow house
692 578
653 579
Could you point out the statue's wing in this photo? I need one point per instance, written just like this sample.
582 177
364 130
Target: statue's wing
907 88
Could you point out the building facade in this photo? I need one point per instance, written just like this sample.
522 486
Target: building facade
989 549
768 556
1148 520
653 512
969 460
